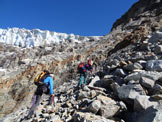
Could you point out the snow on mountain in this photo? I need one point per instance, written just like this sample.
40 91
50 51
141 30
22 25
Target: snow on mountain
36 37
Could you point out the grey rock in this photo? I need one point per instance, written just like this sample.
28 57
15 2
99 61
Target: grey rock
150 115
85 88
131 82
157 97
148 74
107 105
158 49
157 89
94 106
131 67
105 82
142 102
123 106
154 65
94 80
142 63
119 72
83 95
114 86
130 92
146 82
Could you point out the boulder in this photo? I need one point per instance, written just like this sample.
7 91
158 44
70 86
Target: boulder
142 63
114 86
142 102
94 80
109 107
119 72
83 94
133 82
133 66
105 82
130 92
146 82
148 74
157 89
154 65
134 76
157 97
94 106
158 49
152 114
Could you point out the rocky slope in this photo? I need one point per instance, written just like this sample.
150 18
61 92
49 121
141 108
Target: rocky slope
126 87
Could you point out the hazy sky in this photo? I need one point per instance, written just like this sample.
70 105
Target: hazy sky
81 17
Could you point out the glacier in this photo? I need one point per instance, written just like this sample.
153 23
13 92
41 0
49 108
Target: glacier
31 38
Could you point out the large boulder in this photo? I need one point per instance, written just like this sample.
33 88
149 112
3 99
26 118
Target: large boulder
94 80
119 72
109 107
133 66
146 82
130 92
143 102
148 74
84 94
88 117
154 65
158 49
94 106
152 114
105 82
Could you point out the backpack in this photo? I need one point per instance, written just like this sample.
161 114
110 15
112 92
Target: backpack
40 77
81 68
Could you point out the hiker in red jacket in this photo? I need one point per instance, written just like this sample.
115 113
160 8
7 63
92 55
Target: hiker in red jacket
82 69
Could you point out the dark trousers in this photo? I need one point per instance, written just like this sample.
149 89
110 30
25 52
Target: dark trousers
37 97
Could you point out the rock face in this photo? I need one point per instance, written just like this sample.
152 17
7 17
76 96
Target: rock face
137 9
125 85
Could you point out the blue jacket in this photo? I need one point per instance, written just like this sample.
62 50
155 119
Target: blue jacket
49 81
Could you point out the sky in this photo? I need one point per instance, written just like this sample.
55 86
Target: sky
80 17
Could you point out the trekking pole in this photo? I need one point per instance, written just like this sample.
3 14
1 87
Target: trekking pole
53 99
34 99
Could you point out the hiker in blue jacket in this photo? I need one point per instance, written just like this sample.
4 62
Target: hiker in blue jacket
44 85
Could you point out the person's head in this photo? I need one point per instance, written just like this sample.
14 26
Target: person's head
47 72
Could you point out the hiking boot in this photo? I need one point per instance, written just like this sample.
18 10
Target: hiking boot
82 86
29 116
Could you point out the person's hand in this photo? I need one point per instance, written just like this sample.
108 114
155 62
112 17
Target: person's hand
52 95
